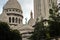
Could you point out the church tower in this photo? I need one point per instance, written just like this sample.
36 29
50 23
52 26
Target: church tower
41 9
31 21
13 14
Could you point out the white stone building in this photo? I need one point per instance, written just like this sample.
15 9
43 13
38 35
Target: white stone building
41 9
12 14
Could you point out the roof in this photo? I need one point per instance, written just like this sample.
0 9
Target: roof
26 27
12 4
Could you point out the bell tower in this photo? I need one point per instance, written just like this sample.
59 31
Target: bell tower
41 9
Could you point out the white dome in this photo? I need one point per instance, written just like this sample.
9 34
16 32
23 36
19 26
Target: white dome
12 4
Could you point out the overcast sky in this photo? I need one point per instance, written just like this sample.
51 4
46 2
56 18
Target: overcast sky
58 1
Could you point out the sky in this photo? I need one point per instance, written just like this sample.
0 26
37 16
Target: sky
27 7
58 1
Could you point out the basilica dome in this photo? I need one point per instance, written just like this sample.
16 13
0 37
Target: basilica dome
12 4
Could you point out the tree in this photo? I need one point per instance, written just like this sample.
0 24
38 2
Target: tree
54 29
55 22
16 35
40 32
7 34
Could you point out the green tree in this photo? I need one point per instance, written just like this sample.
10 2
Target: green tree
54 28
45 33
55 22
7 34
40 32
16 35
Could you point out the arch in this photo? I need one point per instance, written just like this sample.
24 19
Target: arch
9 9
9 19
19 20
16 20
13 19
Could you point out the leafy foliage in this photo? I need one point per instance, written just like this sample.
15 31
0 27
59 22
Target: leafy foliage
54 23
53 30
7 34
40 32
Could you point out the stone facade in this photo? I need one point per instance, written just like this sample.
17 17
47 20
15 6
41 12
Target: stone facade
59 9
12 14
41 8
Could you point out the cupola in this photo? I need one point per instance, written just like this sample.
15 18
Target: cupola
12 4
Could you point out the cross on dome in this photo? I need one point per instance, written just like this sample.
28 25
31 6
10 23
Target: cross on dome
31 14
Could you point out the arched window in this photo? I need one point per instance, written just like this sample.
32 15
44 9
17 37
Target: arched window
9 19
13 9
16 20
9 9
16 10
19 20
13 19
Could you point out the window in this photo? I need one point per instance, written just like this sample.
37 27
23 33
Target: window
16 10
9 9
13 19
16 20
13 9
19 20
9 19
